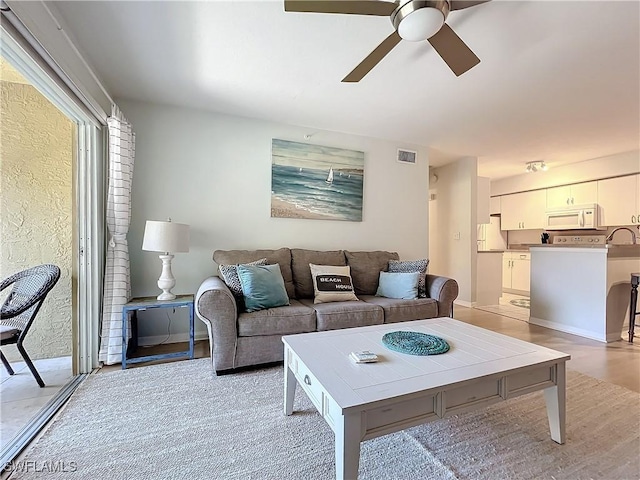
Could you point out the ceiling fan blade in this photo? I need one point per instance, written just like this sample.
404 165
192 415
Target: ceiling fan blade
453 50
353 7
460 4
373 58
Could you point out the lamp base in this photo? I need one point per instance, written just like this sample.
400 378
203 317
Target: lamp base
166 296
166 281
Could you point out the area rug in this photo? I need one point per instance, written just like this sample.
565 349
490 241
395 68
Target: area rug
521 302
177 421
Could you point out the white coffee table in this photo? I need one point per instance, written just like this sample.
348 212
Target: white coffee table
364 401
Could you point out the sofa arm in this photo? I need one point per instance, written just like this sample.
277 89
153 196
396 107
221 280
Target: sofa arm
216 307
445 291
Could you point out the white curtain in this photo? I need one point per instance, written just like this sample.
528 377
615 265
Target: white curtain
117 283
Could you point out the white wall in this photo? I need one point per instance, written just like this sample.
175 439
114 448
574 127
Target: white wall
609 166
452 212
213 172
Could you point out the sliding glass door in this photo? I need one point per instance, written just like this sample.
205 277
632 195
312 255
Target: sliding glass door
89 175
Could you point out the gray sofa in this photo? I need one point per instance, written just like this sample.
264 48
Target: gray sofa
239 339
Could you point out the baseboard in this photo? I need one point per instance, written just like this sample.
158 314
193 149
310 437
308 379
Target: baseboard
174 338
614 337
524 293
463 303
569 329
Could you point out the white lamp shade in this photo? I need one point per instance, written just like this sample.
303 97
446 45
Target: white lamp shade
166 237
421 24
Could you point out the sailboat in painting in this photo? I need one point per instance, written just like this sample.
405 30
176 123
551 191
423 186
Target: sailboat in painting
329 179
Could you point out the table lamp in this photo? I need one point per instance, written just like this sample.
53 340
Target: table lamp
169 238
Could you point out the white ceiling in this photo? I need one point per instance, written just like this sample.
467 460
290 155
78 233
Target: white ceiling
558 81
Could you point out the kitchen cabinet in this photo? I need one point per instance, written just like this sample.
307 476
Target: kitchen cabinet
619 200
494 206
506 270
523 211
516 268
568 195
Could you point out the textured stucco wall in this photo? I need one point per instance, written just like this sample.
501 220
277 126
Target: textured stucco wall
36 205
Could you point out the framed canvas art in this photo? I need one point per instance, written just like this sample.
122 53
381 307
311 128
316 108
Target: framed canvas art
316 182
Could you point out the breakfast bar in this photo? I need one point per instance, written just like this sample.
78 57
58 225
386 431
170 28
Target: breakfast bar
583 290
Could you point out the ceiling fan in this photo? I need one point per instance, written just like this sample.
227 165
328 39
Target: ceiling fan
412 20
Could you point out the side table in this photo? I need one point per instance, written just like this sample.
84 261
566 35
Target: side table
139 304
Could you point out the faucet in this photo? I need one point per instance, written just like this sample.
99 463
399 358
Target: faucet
633 234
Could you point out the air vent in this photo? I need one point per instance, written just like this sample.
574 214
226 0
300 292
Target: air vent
407 156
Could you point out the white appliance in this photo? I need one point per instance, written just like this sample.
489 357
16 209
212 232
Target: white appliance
490 237
578 217
580 240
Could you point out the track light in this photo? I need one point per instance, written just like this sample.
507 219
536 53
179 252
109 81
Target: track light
535 166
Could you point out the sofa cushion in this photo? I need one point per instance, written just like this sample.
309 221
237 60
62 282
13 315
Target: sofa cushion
332 284
398 310
398 285
419 266
282 257
332 316
294 318
262 287
300 260
366 268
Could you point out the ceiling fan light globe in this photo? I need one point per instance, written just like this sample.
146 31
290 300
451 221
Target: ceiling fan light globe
421 24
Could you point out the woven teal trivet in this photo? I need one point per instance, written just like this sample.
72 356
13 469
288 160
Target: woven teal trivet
414 343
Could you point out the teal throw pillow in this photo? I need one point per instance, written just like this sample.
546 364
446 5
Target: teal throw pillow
398 285
262 287
410 266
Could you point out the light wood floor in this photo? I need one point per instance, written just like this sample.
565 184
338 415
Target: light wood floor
617 362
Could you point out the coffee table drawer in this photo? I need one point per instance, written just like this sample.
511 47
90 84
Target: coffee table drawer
530 380
414 411
476 393
309 384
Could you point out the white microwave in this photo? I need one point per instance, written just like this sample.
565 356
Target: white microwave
578 217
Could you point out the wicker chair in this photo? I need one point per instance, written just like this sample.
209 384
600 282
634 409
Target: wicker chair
30 288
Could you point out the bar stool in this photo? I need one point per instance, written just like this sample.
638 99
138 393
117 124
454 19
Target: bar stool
635 280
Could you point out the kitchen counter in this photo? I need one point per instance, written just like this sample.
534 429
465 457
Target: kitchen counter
520 247
490 251
583 290
626 248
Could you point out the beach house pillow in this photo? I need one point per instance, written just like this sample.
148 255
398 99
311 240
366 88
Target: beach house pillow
230 276
332 283
411 266
262 287
398 285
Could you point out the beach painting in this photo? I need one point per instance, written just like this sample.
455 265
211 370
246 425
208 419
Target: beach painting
316 182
